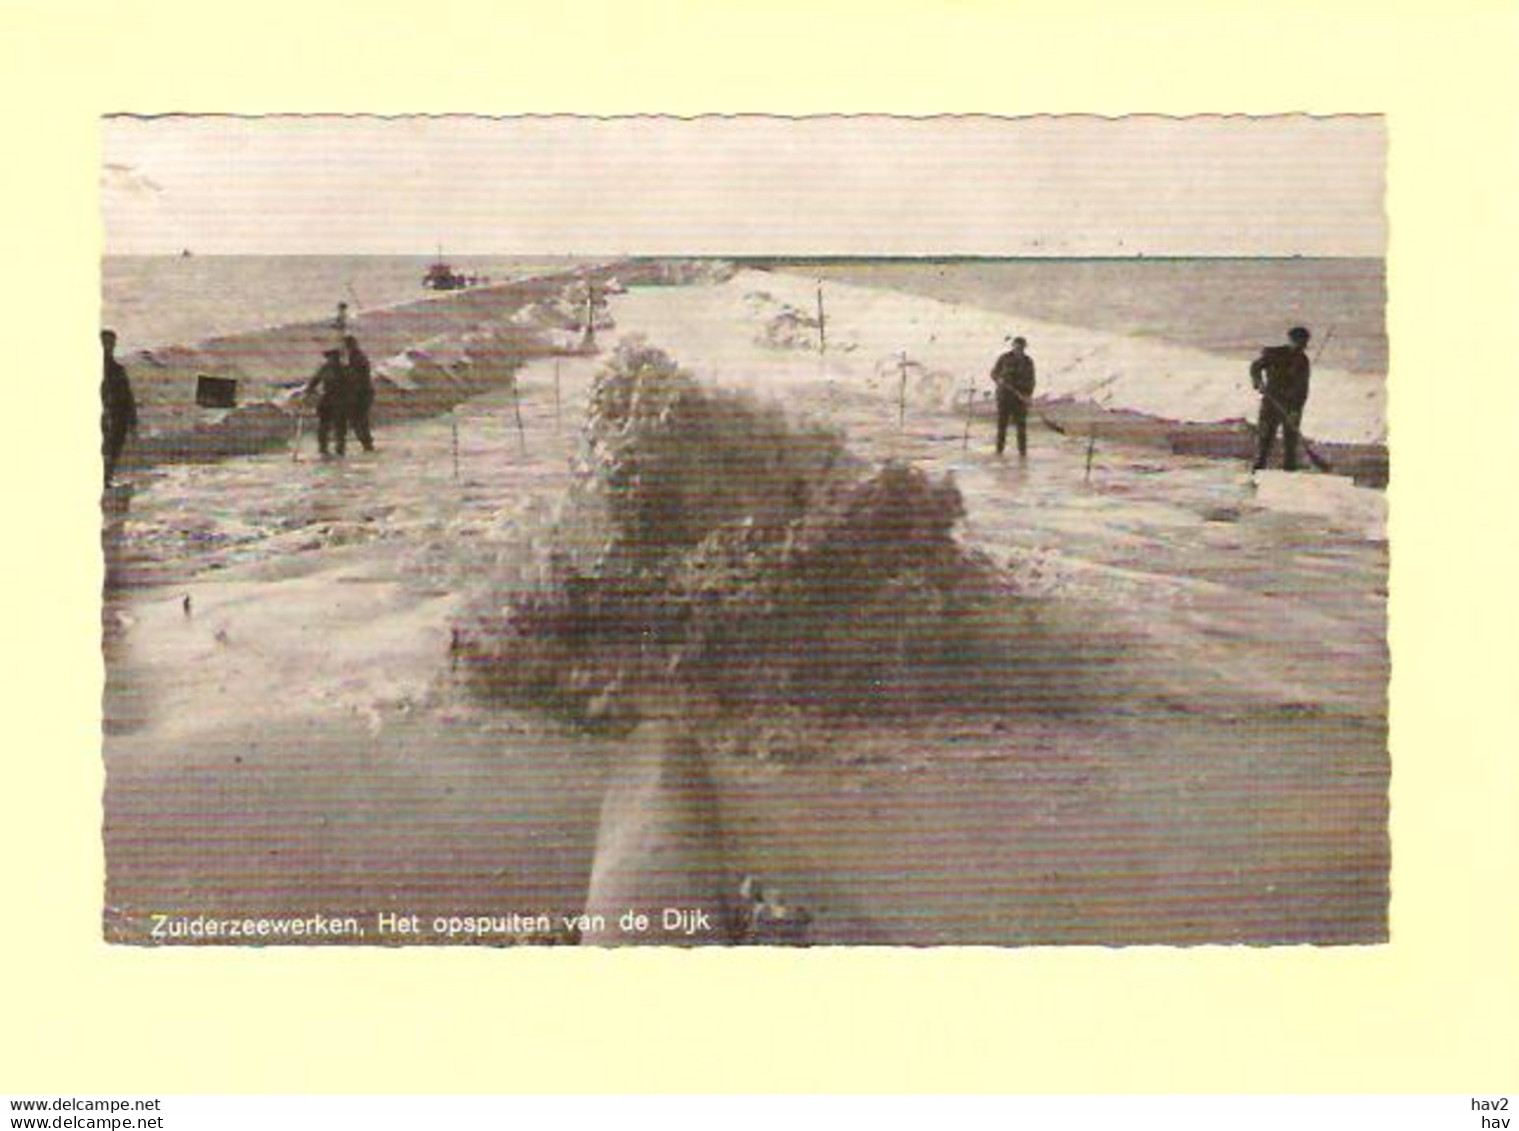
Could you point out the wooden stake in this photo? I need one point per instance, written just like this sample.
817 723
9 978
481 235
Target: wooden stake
558 424
517 409
1324 341
588 339
822 323
1091 448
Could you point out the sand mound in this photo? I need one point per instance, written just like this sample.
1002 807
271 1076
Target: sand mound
1144 375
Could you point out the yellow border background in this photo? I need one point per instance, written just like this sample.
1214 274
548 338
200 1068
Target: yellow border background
1435 1010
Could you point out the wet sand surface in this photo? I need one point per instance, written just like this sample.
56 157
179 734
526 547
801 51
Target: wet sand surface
1202 756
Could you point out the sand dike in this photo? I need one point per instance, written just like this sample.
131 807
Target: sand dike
711 545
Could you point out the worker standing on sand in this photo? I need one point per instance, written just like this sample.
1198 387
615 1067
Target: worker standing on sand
334 403
118 408
1280 375
361 389
1014 377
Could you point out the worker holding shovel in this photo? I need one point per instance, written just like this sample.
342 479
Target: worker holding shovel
1014 377
1280 375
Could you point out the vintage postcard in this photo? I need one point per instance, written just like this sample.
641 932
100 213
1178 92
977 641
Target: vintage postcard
789 500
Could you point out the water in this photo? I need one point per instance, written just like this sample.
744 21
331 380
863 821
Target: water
170 300
1225 306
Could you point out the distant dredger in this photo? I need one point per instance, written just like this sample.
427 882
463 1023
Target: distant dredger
442 277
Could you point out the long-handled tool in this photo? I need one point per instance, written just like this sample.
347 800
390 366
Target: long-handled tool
558 426
1028 403
1291 419
822 323
1052 425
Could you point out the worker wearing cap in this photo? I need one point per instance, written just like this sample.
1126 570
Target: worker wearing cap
333 403
1014 377
1280 375
118 408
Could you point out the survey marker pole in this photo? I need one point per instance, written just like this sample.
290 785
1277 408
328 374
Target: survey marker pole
823 370
902 395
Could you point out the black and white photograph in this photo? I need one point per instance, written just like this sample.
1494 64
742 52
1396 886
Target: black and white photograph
744 530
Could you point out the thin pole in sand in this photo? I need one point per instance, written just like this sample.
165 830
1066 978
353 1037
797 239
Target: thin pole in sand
1091 449
558 424
517 410
823 370
822 323
902 395
970 408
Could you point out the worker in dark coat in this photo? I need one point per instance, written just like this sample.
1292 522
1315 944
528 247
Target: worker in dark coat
334 401
361 388
118 408
1014 377
1280 375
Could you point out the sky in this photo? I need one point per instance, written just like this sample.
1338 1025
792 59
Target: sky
745 186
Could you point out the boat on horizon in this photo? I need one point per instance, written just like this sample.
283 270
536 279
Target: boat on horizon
442 277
